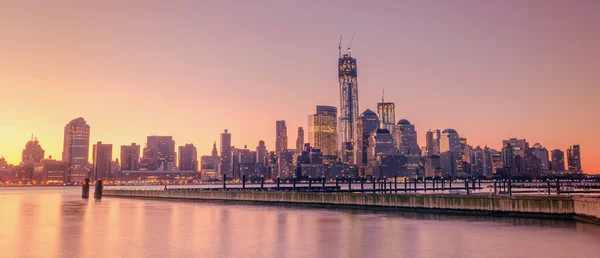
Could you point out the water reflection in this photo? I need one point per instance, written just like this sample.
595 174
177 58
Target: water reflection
56 222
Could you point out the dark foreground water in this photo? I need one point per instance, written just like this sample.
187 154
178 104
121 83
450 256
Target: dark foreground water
56 222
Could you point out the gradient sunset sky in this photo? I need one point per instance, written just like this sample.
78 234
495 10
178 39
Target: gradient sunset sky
489 69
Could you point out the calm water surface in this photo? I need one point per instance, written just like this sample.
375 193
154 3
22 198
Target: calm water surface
56 222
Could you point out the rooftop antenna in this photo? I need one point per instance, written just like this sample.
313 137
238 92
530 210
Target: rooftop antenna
350 46
382 93
340 47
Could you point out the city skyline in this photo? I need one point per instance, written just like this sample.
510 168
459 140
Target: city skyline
543 92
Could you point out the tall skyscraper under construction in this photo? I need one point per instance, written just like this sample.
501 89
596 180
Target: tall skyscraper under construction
347 76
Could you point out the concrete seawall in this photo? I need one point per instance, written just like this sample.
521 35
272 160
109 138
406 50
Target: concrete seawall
586 209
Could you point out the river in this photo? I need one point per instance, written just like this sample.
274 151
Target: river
56 222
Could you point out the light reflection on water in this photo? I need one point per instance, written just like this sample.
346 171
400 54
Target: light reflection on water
56 222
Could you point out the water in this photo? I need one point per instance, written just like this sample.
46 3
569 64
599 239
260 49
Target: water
56 222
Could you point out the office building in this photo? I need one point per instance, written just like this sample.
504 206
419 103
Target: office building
541 154
405 138
281 139
432 144
130 157
387 115
300 139
159 153
76 149
226 160
261 152
450 152
519 146
574 158
286 164
322 130
433 167
558 160
102 161
368 124
188 158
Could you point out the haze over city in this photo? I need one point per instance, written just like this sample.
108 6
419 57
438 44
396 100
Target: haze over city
492 71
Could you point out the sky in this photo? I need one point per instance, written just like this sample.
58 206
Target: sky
492 70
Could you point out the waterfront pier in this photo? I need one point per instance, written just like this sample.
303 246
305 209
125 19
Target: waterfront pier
558 207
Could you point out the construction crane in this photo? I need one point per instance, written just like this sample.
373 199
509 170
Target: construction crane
340 47
350 46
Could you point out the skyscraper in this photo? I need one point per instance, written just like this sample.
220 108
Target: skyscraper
226 154
281 140
369 123
286 164
450 152
379 142
159 153
102 158
188 158
387 115
450 141
542 154
130 157
519 146
300 140
322 130
347 76
76 149
574 158
405 138
558 160
33 152
261 152
432 144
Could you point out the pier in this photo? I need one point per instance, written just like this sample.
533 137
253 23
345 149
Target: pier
557 207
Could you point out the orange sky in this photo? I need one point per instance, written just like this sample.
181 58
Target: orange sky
189 69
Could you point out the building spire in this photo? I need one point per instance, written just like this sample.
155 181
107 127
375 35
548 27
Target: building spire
382 94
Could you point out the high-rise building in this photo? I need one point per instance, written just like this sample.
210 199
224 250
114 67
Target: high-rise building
432 139
433 167
300 139
76 149
348 83
542 154
159 153
322 130
261 152
130 157
188 158
482 162
450 141
379 142
519 146
450 152
497 162
33 152
226 154
387 115
368 124
272 169
286 164
558 160
574 158
281 139
102 158
405 138
405 141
